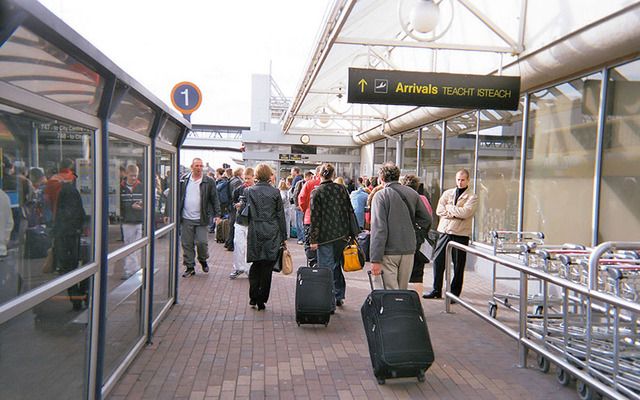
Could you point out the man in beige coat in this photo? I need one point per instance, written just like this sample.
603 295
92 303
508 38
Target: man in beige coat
455 208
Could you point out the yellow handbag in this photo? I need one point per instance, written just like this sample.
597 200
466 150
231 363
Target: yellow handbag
352 257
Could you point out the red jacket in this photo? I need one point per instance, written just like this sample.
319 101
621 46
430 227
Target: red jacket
304 199
53 186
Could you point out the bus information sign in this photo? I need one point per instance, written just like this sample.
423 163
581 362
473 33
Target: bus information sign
186 97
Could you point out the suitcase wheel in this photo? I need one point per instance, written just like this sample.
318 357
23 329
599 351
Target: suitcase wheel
380 381
421 376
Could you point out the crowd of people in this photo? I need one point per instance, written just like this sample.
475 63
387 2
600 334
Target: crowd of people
324 213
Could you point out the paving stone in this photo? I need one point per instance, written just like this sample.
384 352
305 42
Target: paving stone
212 345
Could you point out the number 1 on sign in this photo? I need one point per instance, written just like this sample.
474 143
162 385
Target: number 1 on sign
186 97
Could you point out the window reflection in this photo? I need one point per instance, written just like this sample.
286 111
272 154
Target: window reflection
132 113
620 190
460 147
162 273
560 161
430 165
163 189
498 174
46 202
44 352
32 63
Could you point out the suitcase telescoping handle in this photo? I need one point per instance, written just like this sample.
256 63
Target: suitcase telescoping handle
371 280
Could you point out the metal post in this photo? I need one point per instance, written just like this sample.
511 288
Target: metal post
597 175
522 320
399 152
523 161
107 105
475 170
443 148
419 153
386 145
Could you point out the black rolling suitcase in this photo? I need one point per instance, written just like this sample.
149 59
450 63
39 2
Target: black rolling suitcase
397 334
314 295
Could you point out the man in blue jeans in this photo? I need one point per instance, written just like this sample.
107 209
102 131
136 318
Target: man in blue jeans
299 213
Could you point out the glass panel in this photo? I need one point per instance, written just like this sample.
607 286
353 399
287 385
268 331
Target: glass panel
410 153
126 196
124 312
162 273
560 161
620 190
170 133
378 155
31 63
163 190
430 165
134 114
391 149
460 148
46 199
498 174
44 351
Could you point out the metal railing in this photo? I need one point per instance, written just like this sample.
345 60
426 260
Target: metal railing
520 334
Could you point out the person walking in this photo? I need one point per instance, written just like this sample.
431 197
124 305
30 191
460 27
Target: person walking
285 194
456 208
198 205
419 259
359 202
299 217
304 200
266 234
132 214
393 239
235 182
241 226
330 228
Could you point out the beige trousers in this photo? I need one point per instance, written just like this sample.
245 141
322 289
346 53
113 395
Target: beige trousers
397 271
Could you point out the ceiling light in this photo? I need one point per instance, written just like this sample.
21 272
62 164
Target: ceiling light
424 16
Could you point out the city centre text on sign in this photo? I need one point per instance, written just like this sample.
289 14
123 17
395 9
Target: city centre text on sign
371 86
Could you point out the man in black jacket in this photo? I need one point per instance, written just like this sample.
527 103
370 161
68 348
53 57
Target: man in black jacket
198 204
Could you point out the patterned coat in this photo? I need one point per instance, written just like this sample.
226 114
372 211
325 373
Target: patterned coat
331 214
266 222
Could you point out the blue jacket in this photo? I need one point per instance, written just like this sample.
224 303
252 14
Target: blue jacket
359 202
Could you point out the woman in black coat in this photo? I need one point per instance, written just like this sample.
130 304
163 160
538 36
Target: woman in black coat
266 234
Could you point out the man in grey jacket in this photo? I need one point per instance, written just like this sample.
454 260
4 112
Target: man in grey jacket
393 237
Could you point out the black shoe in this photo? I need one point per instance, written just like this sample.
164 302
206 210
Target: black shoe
339 303
252 303
188 272
261 306
229 248
205 267
432 295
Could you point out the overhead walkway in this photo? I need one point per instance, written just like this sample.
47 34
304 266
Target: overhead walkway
212 345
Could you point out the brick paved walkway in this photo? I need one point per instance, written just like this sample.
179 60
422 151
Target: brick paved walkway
213 345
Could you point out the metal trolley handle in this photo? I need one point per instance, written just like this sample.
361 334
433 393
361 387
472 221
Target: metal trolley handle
371 280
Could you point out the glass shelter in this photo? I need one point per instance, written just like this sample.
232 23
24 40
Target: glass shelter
84 281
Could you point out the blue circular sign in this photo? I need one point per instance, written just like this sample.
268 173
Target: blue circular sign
186 97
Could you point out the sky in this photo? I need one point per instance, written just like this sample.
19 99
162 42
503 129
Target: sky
215 44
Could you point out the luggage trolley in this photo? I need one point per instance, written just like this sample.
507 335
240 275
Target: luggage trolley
595 336
515 244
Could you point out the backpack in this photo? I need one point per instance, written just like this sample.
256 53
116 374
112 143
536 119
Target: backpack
70 214
222 187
